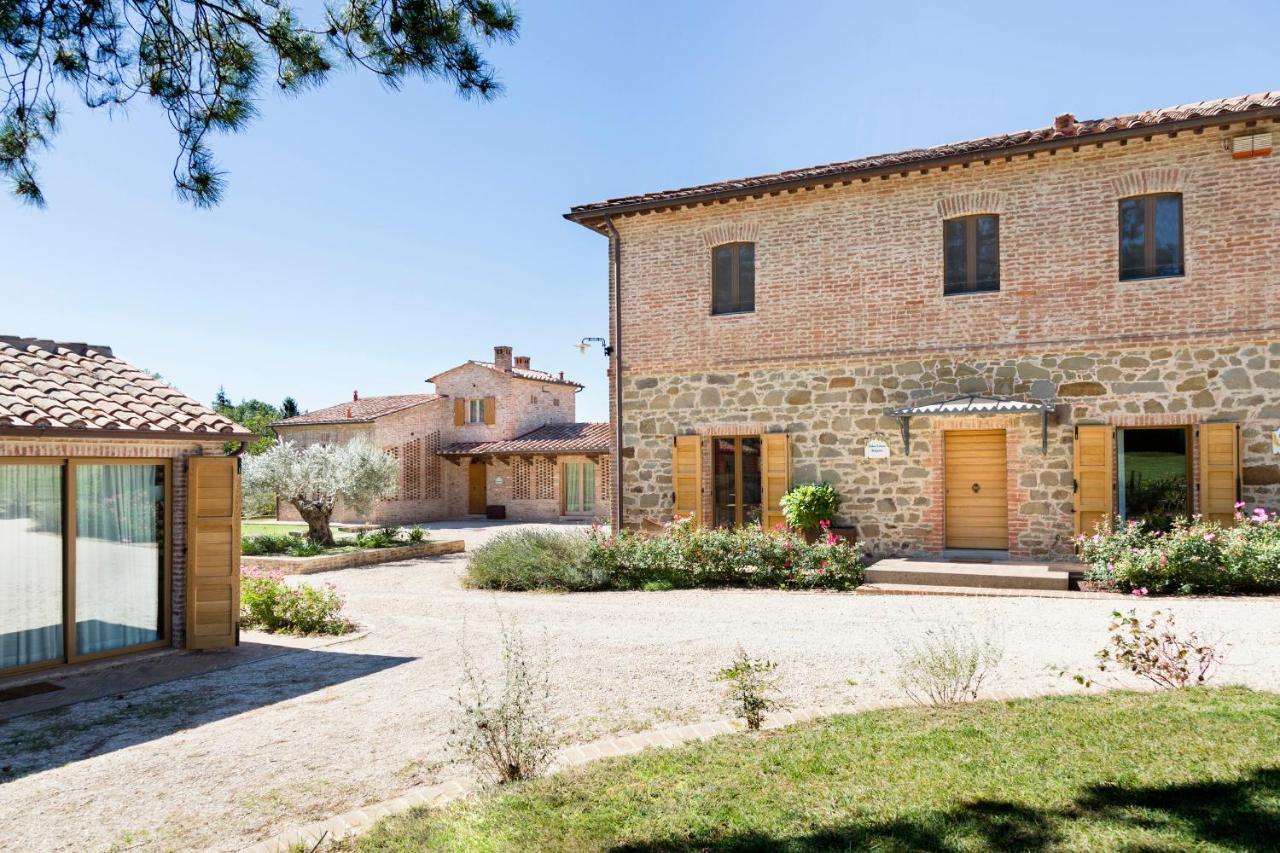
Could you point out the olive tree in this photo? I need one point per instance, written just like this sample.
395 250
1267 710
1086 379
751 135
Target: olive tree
314 478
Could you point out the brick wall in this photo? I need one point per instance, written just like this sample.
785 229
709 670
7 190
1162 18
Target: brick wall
856 270
176 451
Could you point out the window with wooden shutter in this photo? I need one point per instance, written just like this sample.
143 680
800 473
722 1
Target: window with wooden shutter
1094 477
490 410
213 551
1219 472
686 477
775 477
459 412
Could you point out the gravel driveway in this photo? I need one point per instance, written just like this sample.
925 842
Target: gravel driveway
224 759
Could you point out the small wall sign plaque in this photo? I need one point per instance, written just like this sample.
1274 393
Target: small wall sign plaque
877 448
497 481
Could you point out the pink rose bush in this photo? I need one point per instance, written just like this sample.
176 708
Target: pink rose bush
270 603
1193 557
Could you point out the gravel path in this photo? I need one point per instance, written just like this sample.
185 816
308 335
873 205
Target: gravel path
226 758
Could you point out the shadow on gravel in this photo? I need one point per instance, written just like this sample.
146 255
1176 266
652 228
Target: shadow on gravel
49 739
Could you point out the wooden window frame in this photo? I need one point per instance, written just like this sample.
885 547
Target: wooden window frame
738 480
1149 243
69 465
475 404
735 279
970 284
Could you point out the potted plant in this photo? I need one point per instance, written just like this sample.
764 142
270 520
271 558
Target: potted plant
809 507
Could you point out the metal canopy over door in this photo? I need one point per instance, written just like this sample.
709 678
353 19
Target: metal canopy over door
477 493
977 509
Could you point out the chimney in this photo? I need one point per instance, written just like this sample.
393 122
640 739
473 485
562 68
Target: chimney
502 358
355 396
522 362
349 412
1065 123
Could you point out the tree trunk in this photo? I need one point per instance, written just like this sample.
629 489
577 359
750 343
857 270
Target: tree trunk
317 519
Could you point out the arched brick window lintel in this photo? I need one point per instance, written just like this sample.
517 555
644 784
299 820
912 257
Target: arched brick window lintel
969 204
1148 182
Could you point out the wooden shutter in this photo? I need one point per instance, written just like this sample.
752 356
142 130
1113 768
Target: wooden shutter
213 551
686 476
1219 472
1094 477
459 412
775 477
490 410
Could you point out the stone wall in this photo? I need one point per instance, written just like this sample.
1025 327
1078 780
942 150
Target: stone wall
831 410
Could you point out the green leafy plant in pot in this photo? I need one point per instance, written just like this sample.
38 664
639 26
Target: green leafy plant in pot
810 507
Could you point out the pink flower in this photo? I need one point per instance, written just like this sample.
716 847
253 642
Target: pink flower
1209 537
1141 591
824 524
1239 504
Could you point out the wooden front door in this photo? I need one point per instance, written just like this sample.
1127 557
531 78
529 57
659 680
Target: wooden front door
977 509
477 496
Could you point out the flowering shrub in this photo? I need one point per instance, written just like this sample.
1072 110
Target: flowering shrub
683 557
268 603
687 556
1193 557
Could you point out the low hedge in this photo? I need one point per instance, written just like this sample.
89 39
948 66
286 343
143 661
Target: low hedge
684 557
1194 557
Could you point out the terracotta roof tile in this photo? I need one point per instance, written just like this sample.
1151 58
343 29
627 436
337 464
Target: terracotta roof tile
71 386
1205 111
550 439
361 411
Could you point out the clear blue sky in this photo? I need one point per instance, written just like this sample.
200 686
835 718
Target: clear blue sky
370 238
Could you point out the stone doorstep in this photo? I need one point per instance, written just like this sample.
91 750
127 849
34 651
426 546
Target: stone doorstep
362 819
942 573
990 592
355 559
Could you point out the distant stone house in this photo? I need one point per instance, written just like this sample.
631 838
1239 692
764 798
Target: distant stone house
494 434
119 510
993 344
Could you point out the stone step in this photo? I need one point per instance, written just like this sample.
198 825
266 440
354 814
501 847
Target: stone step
979 592
973 575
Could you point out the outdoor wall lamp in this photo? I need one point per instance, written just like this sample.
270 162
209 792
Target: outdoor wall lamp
585 344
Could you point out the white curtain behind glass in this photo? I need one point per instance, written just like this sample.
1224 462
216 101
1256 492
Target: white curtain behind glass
30 564
119 567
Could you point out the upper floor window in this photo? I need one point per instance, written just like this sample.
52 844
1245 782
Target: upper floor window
733 278
1151 236
475 411
971 253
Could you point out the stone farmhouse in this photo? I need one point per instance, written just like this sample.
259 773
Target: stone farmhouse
496 438
993 344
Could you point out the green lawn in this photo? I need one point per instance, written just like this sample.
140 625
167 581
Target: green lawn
1192 770
249 528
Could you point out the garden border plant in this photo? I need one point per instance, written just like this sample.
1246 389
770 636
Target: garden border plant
684 556
1193 557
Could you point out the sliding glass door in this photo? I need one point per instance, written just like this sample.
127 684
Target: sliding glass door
119 566
31 559
84 548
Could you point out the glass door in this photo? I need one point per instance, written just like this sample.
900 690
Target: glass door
31 558
735 474
579 480
1152 475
